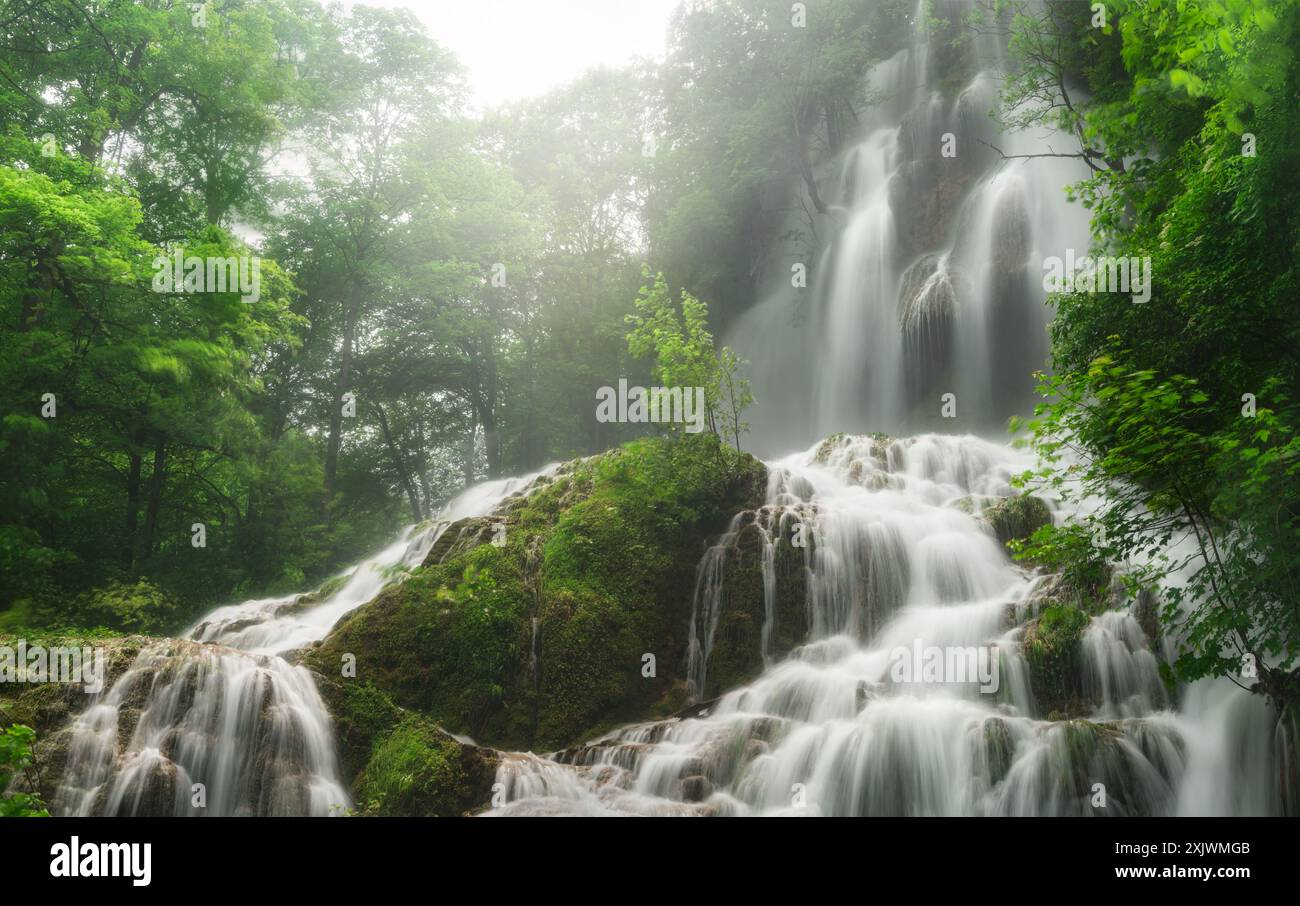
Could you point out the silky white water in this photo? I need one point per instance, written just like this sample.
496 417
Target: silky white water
928 285
223 709
930 282
902 560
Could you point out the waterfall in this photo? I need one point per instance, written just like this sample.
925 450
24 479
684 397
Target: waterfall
903 561
927 286
226 708
929 281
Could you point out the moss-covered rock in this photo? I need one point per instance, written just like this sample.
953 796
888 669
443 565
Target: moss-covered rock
417 770
538 638
327 590
1052 645
998 748
828 446
1115 768
47 706
399 762
737 653
1016 518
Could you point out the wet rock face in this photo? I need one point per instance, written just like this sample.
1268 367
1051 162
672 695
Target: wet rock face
463 536
192 728
751 597
926 203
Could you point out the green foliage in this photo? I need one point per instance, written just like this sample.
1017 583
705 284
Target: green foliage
1052 650
418 771
678 337
16 743
1068 551
1192 493
1180 414
141 607
602 558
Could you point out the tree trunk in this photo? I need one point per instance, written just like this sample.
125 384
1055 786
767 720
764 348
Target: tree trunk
399 461
156 481
345 378
467 460
132 509
491 440
805 166
40 287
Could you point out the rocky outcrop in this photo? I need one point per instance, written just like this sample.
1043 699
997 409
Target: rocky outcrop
399 762
1016 518
739 650
48 707
573 619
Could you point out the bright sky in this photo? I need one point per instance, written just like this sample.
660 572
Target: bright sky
520 48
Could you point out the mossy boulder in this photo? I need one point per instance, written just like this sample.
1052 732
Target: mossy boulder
1116 768
998 750
1052 644
420 771
399 762
1016 518
537 638
48 706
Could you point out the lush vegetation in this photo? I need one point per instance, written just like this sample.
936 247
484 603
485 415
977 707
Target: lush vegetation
440 293
16 756
540 638
1180 415
432 295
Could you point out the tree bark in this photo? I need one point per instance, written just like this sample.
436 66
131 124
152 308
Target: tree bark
345 378
403 473
156 481
132 509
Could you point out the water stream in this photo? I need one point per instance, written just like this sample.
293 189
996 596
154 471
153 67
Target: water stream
929 286
902 563
224 708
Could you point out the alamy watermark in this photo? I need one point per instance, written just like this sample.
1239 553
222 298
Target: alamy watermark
948 665
179 273
38 664
1105 274
684 405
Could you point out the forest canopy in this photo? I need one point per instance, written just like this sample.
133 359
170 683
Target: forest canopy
438 291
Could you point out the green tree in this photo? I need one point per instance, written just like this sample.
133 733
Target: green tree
16 758
676 334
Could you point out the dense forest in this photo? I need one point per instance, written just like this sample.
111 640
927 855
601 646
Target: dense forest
462 280
418 295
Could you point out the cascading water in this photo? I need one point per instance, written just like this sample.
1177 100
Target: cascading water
927 287
930 282
903 562
224 708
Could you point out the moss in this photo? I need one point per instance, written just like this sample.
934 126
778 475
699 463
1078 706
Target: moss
1053 651
446 641
399 762
1017 518
999 748
602 557
420 771
363 716
46 707
1083 576
324 593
